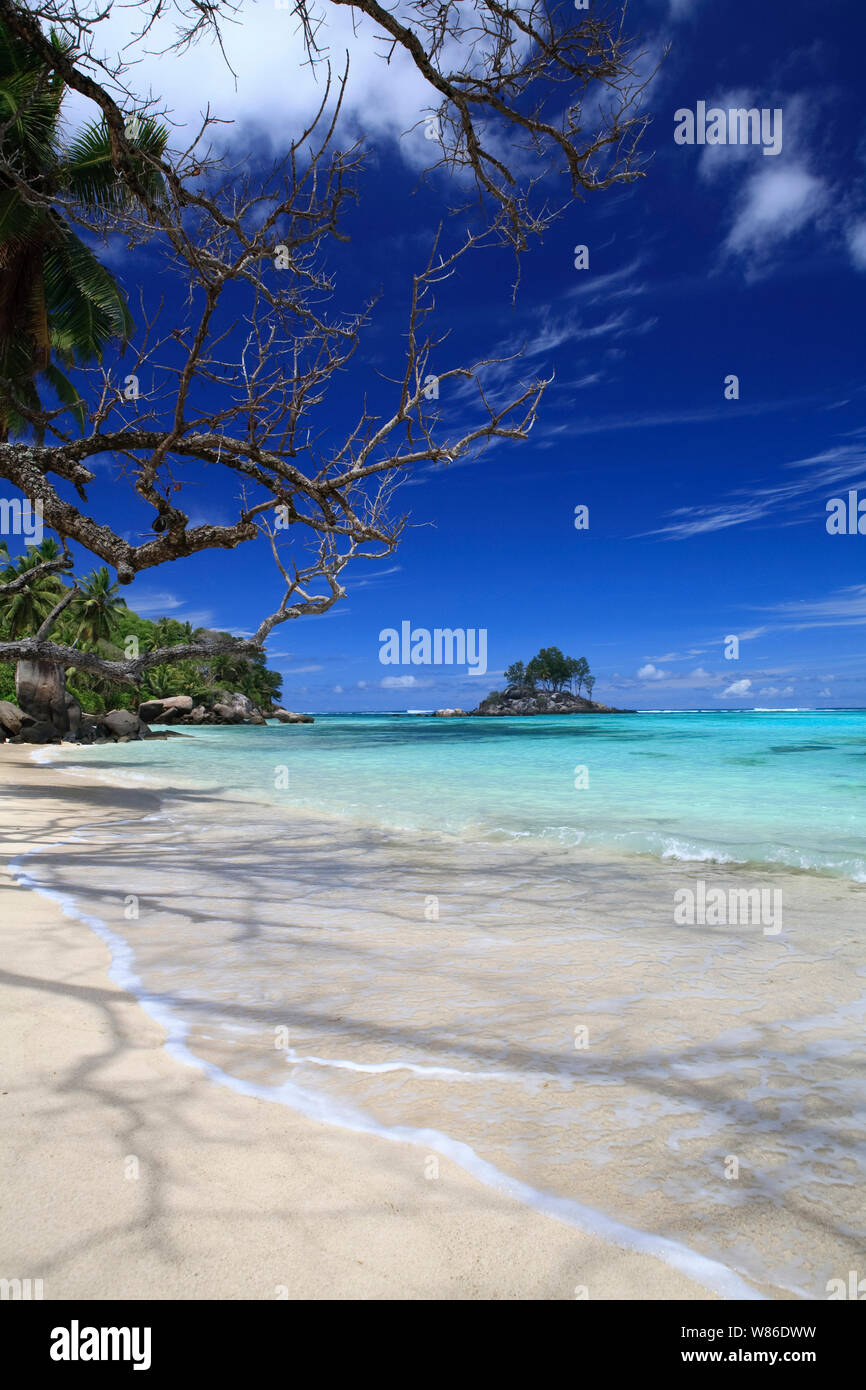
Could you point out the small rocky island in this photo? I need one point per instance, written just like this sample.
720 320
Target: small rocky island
539 687
525 699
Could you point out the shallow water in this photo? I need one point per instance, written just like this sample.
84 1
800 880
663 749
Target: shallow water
779 788
522 985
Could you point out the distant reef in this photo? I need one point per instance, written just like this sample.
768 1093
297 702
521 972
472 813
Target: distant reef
525 699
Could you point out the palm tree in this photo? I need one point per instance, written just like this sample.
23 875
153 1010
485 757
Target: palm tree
22 612
96 608
56 299
226 669
161 635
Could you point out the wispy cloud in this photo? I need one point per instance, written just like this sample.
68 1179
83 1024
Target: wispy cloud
650 677
159 603
844 608
771 205
375 577
615 284
605 424
843 465
710 644
857 243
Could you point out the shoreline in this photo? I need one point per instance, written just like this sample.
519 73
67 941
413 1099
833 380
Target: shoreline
235 1197
704 854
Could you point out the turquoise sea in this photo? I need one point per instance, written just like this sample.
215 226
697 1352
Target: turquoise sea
462 933
785 788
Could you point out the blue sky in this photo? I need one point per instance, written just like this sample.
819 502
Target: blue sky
707 516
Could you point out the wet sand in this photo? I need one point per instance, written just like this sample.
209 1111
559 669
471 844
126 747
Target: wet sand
129 1175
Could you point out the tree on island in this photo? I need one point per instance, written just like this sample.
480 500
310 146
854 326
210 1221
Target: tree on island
234 378
551 670
579 671
516 674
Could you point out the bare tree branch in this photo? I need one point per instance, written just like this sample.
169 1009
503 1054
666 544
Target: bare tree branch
239 378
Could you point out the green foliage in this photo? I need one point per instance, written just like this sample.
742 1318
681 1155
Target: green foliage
89 174
22 612
7 681
552 670
97 619
57 301
578 671
95 609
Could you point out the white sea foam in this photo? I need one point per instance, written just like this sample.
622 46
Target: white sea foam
711 1274
382 1068
537 929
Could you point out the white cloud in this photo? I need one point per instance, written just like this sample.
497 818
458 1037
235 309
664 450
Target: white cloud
155 604
843 464
844 608
781 196
603 424
857 244
776 203
615 284
338 690
692 681
399 682
375 576
651 673
267 89
718 161
203 617
150 604
739 688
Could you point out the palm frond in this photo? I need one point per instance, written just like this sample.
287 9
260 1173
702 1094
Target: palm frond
66 393
87 306
90 173
18 222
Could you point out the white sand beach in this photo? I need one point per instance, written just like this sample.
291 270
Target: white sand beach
235 1197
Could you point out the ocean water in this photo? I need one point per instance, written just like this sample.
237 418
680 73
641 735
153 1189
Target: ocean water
463 932
774 788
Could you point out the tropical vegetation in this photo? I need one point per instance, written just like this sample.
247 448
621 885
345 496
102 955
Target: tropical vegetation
59 306
97 619
552 670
